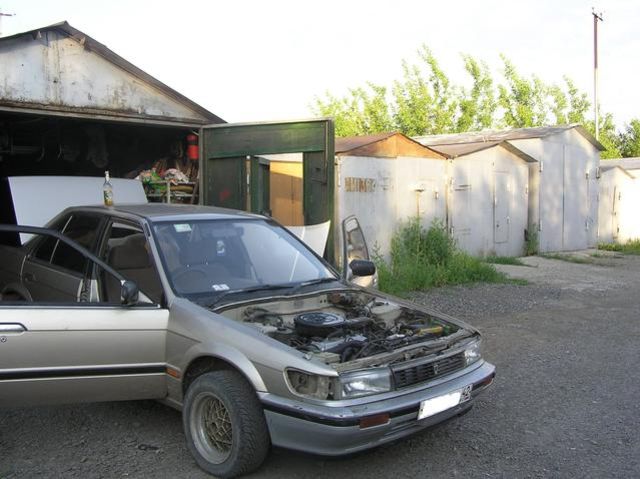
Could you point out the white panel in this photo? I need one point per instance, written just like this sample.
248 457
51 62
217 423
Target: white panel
37 199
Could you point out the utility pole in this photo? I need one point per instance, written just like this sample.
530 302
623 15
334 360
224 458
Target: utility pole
596 107
4 15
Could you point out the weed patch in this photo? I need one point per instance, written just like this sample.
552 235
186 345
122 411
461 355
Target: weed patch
630 247
422 259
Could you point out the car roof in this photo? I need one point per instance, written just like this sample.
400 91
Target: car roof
169 212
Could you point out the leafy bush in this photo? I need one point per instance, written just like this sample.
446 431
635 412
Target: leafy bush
531 243
422 259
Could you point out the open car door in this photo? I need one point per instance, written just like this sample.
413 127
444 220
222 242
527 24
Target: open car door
354 247
70 351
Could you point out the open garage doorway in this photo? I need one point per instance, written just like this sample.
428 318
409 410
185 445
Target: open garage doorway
236 174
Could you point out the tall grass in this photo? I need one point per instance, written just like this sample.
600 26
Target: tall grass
630 247
422 259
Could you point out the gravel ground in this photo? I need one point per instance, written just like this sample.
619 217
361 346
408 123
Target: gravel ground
564 403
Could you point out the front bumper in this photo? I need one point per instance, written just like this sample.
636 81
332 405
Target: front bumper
335 431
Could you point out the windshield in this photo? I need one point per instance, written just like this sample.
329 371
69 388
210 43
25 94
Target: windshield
207 258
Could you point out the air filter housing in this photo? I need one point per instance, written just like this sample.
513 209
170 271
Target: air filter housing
317 323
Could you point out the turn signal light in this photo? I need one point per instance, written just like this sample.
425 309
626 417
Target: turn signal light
371 421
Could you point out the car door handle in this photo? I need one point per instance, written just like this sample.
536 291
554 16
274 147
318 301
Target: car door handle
29 277
9 328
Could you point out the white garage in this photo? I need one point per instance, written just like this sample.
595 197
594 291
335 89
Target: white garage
619 220
488 197
386 179
563 184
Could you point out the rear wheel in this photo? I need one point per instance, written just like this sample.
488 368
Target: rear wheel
224 424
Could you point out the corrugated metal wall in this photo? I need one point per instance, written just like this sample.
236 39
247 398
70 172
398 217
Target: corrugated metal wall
486 192
618 209
489 202
563 191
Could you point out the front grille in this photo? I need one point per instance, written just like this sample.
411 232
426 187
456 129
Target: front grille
407 375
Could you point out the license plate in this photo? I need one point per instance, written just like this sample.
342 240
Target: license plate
430 407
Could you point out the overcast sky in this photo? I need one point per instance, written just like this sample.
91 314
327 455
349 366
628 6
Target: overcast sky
252 60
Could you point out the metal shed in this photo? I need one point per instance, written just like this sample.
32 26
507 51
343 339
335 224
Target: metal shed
618 219
630 165
385 179
488 197
563 183
71 106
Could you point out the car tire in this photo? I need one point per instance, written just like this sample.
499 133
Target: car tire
224 424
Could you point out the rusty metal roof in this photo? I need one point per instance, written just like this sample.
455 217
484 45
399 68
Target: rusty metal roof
386 145
109 55
352 142
461 149
511 134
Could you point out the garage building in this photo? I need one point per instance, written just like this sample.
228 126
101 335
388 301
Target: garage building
618 219
563 181
488 197
71 106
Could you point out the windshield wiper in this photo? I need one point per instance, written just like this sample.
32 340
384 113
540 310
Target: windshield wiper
252 289
311 282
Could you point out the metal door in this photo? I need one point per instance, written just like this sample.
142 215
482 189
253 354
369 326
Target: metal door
615 217
260 191
56 351
79 353
501 200
313 138
226 186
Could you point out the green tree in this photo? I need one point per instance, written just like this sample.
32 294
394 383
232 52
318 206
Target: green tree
425 100
522 100
608 136
629 139
362 111
477 105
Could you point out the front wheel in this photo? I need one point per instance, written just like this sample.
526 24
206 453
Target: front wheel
224 424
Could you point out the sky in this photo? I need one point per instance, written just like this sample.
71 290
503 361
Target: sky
258 60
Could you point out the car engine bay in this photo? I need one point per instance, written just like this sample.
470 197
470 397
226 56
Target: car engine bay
351 329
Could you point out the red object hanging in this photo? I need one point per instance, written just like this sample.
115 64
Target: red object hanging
192 147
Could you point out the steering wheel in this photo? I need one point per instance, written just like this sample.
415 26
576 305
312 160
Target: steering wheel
189 275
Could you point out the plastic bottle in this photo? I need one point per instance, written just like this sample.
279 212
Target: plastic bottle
107 190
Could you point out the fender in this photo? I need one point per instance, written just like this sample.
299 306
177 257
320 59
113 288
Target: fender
229 354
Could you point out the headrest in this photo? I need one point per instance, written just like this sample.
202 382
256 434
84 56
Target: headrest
131 254
199 252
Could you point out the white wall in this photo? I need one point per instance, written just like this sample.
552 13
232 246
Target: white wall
393 196
375 209
421 189
486 218
619 220
564 195
55 70
395 190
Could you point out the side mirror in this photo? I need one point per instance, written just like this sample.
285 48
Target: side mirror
362 267
129 293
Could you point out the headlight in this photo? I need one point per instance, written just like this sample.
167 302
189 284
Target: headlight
364 383
309 385
472 353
